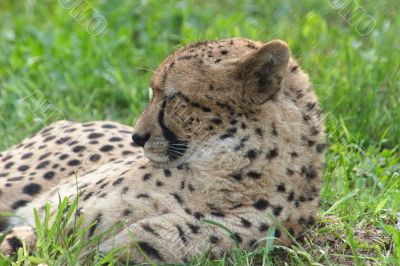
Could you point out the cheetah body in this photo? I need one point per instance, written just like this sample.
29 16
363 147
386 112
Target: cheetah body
233 134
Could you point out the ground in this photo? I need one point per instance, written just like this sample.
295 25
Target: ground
47 56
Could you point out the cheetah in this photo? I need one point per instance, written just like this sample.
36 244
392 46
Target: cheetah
233 134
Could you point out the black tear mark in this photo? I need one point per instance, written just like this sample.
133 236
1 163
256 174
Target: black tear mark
176 146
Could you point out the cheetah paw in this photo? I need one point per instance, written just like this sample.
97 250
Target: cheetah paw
14 239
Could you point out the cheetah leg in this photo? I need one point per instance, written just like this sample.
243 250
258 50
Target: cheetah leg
170 238
14 239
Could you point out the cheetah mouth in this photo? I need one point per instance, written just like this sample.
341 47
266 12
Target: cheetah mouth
161 156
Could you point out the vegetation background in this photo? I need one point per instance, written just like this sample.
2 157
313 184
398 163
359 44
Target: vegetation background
49 52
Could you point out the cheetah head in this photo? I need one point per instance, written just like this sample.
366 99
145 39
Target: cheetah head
205 94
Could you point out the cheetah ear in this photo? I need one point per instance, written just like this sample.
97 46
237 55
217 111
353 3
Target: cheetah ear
262 71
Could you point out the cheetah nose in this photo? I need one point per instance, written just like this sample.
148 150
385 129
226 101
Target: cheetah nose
140 139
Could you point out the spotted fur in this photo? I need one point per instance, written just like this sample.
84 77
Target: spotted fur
233 134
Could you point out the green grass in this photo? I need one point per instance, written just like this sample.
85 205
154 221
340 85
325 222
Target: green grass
45 52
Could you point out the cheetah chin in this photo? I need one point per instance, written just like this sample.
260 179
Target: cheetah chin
233 134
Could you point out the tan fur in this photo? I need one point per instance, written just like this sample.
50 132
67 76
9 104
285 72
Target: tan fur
253 145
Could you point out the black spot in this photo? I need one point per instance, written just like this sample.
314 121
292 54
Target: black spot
159 183
88 195
95 135
64 156
142 196
44 156
289 171
94 225
294 154
63 140
126 212
321 147
13 179
224 52
127 152
95 157
88 124
226 135
19 204
254 174
310 221
291 196
272 153
15 243
181 234
259 131
167 172
107 148
115 139
245 223
191 188
73 143
78 148
8 165
23 168
277 233
217 213
310 143
193 228
198 215
32 189
118 181
146 176
177 198
214 239
49 139
6 158
74 162
43 164
49 175
253 243
237 237
108 126
237 176
26 155
294 68
104 185
263 227
281 187
216 121
150 251
277 210
188 211
261 204
308 172
233 122
149 229
252 154
274 131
